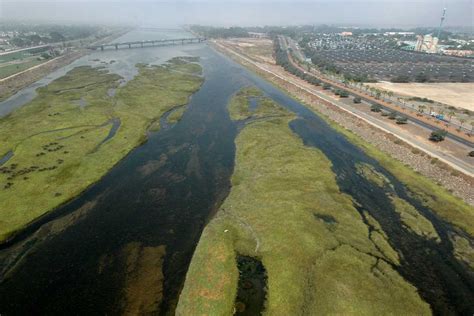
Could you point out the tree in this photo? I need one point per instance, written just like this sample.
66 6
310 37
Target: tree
56 37
438 135
462 121
390 94
392 115
402 120
401 79
343 94
377 93
376 108
45 56
372 91
451 114
422 77
421 108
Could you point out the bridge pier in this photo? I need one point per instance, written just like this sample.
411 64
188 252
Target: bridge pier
129 45
116 47
102 48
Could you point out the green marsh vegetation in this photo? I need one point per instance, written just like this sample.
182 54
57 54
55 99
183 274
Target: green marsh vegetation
450 208
176 115
286 209
409 215
60 148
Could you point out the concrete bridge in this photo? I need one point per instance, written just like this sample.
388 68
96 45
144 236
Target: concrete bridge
150 43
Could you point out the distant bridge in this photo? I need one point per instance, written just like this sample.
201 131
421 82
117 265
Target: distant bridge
164 29
150 43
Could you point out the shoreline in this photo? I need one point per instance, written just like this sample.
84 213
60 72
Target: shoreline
441 174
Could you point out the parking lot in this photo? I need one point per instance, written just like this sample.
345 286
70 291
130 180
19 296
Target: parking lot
399 65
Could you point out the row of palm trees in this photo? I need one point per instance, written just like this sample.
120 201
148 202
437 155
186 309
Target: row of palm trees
388 96
450 114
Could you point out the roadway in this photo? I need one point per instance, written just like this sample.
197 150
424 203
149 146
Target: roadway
387 127
294 46
24 49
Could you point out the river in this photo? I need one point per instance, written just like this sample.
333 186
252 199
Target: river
163 193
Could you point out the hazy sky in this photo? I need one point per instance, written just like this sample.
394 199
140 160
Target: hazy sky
386 13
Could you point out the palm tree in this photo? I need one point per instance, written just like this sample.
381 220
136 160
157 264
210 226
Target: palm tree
390 94
372 91
378 93
462 121
451 114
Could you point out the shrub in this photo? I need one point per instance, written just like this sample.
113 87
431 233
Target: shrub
326 86
398 141
401 79
376 108
438 135
402 120
357 100
343 94
422 77
471 154
392 116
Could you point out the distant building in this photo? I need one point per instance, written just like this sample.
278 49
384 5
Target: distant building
459 53
258 35
399 33
345 33
427 44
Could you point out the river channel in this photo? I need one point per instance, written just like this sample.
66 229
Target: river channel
160 196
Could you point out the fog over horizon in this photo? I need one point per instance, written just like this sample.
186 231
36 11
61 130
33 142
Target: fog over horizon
363 13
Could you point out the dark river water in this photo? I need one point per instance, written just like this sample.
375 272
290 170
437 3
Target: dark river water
165 191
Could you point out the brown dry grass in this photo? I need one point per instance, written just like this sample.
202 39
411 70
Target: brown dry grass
454 94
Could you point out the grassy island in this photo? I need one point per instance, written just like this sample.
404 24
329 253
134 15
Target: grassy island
286 210
75 130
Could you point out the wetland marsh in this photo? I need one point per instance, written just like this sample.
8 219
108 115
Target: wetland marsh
314 219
